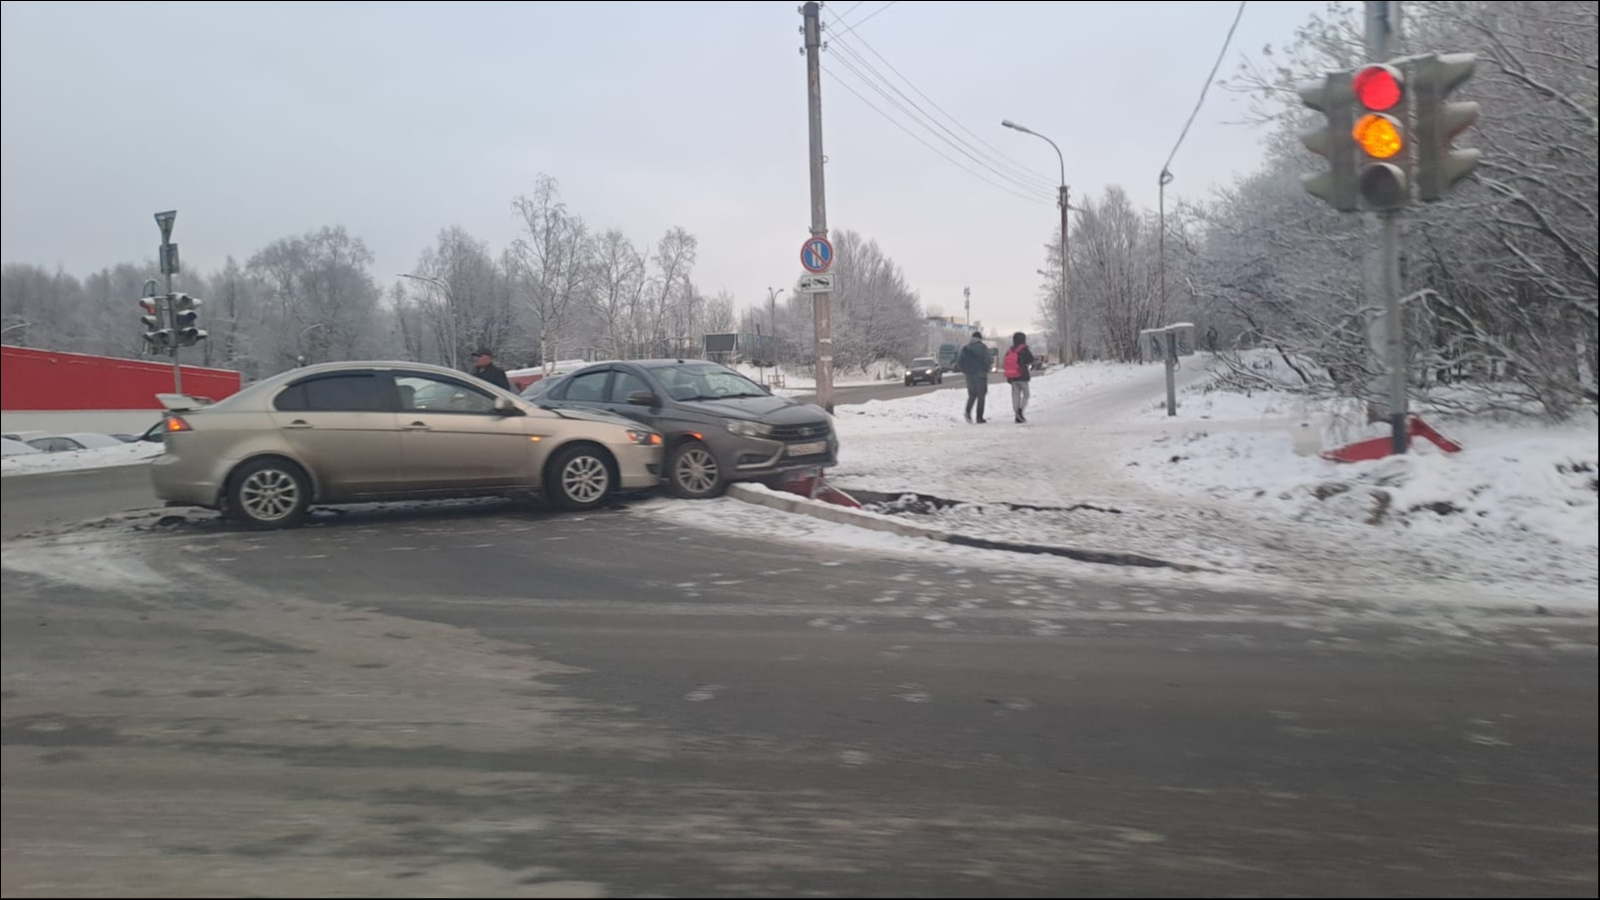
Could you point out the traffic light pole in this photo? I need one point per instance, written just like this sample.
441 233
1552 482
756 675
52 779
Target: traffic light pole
169 266
1382 23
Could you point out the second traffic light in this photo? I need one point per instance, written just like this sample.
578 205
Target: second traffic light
185 314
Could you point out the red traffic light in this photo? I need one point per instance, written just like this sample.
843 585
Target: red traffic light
148 304
1378 87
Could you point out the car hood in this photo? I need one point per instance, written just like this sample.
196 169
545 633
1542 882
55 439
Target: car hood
770 409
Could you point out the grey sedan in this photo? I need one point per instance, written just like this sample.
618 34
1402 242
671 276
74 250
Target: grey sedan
719 426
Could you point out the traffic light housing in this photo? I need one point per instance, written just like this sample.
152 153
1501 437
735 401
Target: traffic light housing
1333 98
185 314
1381 138
156 332
1438 121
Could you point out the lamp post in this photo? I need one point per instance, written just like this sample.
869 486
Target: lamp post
1062 200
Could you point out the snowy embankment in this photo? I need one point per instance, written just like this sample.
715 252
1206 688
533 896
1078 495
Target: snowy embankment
99 458
1517 507
1233 484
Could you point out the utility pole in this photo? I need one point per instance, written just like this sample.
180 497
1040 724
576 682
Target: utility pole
169 267
967 293
1383 23
811 13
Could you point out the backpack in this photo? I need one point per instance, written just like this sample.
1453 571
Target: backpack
1013 367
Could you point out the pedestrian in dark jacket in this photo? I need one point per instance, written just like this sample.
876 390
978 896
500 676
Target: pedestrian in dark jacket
484 367
1019 371
974 362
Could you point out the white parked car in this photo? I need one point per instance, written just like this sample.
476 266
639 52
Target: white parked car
11 447
78 440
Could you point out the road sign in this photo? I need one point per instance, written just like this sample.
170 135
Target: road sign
816 254
821 283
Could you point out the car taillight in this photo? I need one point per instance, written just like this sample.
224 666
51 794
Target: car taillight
176 423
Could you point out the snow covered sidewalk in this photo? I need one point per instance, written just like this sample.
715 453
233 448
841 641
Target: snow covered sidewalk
1100 467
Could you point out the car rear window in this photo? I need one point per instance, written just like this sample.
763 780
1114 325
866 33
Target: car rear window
333 393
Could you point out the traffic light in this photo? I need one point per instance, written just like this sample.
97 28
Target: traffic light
1332 97
185 313
156 332
1380 133
1438 121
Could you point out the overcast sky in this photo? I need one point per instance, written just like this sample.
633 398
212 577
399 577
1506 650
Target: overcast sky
260 120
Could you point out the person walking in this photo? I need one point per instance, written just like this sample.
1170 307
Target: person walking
974 362
1019 371
483 367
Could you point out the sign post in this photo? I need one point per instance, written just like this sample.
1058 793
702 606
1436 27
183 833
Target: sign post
816 256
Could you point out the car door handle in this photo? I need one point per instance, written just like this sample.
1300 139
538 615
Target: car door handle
418 426
298 424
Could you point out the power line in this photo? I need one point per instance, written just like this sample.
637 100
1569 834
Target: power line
853 7
996 155
1221 54
869 17
913 116
919 139
923 117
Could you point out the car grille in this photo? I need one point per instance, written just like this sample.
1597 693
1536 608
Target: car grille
809 431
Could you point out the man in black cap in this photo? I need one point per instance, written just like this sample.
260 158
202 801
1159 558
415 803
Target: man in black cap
484 367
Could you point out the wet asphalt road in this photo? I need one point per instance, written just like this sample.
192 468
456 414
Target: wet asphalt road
487 701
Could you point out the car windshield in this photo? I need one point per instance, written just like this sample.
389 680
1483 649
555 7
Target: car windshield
705 381
539 391
923 363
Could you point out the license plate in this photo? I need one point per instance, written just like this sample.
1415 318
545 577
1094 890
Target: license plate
811 448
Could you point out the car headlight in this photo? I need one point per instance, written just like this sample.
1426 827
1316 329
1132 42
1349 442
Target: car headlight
646 438
749 429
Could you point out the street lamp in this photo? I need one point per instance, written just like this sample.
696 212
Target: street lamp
1066 332
450 313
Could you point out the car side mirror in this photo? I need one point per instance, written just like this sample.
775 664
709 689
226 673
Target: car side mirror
643 398
505 406
766 389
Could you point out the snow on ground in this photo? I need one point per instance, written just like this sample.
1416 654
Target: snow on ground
98 458
1241 499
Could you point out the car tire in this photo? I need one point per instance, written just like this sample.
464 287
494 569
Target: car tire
693 472
269 493
909 382
580 478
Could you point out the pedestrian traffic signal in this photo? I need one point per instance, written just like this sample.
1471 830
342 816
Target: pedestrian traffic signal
185 314
1335 140
1380 133
1438 121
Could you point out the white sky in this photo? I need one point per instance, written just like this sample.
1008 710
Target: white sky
261 120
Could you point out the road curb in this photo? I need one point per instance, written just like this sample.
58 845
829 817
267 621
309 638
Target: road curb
830 513
875 522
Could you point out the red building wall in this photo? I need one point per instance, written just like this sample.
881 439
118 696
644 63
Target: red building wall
49 380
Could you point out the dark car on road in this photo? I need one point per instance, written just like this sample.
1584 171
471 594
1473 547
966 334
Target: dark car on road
924 370
719 426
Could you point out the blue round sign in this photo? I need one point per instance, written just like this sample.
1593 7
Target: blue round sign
816 254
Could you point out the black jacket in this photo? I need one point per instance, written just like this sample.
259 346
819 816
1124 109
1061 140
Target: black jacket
494 375
974 359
